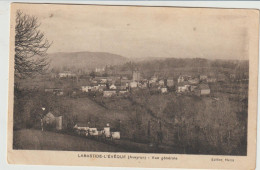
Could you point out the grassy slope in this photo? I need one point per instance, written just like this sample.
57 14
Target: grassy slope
37 140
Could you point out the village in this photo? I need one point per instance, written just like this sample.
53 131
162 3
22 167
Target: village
112 86
121 86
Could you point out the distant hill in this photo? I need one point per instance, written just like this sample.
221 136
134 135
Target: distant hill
84 60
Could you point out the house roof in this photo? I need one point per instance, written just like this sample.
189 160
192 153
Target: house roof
82 124
204 86
50 115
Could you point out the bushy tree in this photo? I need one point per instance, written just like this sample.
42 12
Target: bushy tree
30 46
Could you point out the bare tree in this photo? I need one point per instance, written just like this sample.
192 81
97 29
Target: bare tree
30 47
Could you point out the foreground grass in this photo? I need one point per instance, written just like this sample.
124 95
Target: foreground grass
30 139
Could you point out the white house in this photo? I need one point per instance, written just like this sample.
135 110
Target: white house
133 84
163 90
112 87
93 131
100 69
115 135
183 87
86 88
204 89
107 131
81 126
161 82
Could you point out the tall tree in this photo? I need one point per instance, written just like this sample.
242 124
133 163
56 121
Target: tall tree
30 47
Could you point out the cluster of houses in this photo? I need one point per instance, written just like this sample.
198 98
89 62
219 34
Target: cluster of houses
197 85
122 85
84 130
111 86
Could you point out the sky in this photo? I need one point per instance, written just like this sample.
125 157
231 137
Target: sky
137 32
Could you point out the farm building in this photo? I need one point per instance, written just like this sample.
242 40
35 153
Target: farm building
109 93
204 89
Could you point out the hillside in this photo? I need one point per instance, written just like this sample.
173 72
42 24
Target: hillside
84 60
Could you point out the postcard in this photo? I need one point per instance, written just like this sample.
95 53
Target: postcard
133 86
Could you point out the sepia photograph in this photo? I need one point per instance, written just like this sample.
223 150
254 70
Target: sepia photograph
133 79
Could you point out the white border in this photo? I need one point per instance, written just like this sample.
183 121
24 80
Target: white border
4 55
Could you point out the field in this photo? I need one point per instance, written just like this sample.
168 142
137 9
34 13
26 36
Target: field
37 140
